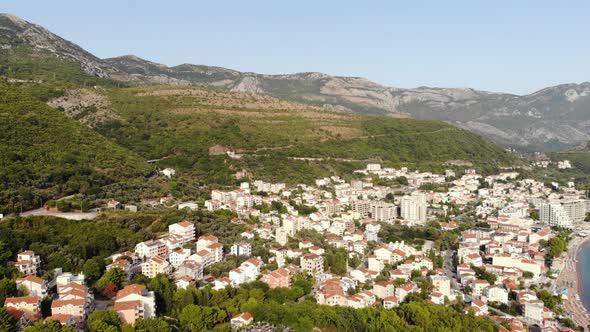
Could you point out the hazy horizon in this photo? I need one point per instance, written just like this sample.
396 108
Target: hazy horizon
500 47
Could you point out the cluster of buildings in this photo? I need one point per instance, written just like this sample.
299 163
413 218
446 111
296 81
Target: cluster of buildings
71 304
489 263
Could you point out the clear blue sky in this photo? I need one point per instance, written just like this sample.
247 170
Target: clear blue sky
513 46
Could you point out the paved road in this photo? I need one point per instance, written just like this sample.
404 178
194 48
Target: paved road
91 214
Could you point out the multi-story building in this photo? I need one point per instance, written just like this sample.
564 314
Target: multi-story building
184 229
281 236
151 248
134 302
217 250
414 207
179 256
312 264
533 312
383 211
554 214
75 307
28 263
30 306
442 284
384 289
241 249
280 277
203 257
575 209
154 266
190 269
34 285
205 241
362 207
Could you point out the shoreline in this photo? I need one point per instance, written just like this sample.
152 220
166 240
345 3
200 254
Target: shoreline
570 277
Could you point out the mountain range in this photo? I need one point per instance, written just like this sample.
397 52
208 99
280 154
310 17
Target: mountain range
553 118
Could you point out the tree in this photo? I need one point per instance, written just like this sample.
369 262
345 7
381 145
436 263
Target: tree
7 322
164 291
46 306
195 318
153 324
113 276
557 246
49 326
101 319
110 291
7 289
182 298
92 269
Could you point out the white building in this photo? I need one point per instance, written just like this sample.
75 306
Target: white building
179 256
134 302
34 285
442 284
383 211
414 207
533 312
241 249
554 214
185 230
28 263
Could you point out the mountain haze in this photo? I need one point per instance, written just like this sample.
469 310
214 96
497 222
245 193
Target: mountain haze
552 118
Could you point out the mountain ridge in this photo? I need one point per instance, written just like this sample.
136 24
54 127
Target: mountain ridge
551 118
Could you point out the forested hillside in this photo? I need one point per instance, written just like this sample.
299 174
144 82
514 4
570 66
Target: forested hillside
97 135
46 154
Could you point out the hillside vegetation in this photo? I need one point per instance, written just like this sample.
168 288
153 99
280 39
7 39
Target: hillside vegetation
46 154
190 129
182 124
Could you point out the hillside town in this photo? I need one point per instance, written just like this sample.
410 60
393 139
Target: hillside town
494 245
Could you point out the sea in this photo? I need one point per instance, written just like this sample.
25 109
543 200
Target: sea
584 270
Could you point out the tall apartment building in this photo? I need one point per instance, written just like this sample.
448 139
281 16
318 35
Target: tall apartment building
554 214
312 264
414 207
281 235
575 209
383 211
362 207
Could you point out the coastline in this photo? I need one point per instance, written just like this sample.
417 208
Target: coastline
570 277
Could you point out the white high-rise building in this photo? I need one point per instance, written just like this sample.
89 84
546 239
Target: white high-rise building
362 207
290 225
383 211
554 214
414 207
575 209
281 235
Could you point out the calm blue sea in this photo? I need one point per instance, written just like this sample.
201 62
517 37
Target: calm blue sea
584 268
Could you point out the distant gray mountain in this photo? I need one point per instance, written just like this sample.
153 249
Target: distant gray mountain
552 118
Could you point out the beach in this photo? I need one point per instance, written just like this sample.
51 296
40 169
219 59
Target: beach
570 278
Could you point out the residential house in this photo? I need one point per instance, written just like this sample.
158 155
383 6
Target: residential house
34 285
155 266
312 264
28 263
241 320
30 306
134 302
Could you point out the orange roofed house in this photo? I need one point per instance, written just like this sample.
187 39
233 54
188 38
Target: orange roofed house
134 302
